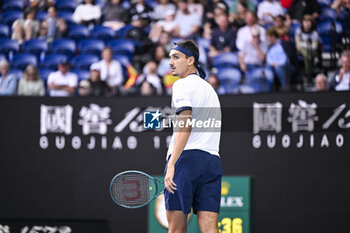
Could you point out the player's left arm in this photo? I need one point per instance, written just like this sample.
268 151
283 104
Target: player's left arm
182 134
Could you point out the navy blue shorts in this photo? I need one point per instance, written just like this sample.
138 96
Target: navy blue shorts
198 178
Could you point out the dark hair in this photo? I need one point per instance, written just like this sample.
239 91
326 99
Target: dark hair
189 44
272 32
28 11
312 20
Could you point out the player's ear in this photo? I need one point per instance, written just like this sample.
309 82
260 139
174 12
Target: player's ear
190 61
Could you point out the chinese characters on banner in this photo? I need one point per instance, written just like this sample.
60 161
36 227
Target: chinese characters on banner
302 116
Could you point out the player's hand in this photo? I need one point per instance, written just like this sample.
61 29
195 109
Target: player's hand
168 179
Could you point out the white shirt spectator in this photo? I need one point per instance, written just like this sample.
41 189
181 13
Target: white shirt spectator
160 10
112 75
269 7
244 34
186 23
343 83
86 12
69 79
251 56
152 79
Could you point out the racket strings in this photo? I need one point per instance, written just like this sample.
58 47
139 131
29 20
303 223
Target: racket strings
132 189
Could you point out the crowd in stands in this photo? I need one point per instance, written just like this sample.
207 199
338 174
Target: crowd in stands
120 47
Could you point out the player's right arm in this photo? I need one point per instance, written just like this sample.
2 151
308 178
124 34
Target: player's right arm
183 132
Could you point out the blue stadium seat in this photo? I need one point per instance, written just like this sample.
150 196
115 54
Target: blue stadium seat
103 33
17 72
230 79
66 15
91 46
41 15
123 59
44 73
51 61
63 46
122 46
82 74
260 78
4 31
78 32
326 26
330 33
66 5
84 61
327 14
226 60
13 5
247 89
2 57
22 60
293 28
35 46
8 47
326 2
8 17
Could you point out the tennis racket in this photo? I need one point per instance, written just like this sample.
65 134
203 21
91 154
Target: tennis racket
135 189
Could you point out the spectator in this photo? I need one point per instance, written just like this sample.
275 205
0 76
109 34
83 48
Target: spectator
43 31
62 83
236 8
62 28
8 82
220 8
253 52
168 25
84 88
87 13
188 23
238 18
141 9
268 9
52 28
165 40
308 44
341 80
340 5
223 38
115 16
94 86
277 59
41 4
299 8
161 9
31 84
162 58
52 32
321 83
139 34
151 76
146 89
195 7
343 10
286 4
111 71
138 29
282 27
27 28
214 81
244 34
214 8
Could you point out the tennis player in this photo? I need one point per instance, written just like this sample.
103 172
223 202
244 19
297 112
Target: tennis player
193 172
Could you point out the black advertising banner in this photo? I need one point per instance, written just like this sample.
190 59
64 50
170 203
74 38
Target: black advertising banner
58 155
